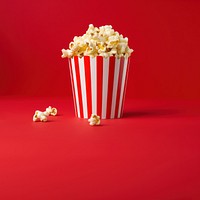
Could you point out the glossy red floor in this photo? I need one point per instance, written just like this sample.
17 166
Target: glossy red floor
152 153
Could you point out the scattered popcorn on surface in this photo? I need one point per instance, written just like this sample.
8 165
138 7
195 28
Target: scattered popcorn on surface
42 116
103 41
94 120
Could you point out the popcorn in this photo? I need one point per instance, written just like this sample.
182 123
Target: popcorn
94 120
39 116
42 116
67 53
50 111
103 41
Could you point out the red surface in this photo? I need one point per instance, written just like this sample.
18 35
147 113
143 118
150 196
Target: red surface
163 33
152 153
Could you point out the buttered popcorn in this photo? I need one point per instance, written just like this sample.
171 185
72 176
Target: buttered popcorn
50 111
103 41
94 120
43 116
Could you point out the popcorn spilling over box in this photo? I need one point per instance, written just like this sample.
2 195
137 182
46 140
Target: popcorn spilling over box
99 62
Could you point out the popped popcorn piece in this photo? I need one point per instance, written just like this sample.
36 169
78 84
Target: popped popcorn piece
67 53
50 111
94 120
39 116
103 41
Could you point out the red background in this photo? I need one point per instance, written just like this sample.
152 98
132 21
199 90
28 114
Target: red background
163 33
152 153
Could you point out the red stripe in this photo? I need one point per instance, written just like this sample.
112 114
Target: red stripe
88 84
110 86
99 84
72 83
78 85
125 86
119 86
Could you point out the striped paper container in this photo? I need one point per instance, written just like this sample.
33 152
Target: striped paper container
99 85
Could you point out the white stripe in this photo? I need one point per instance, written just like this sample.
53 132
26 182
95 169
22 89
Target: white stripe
75 87
115 84
73 92
127 72
105 86
122 86
93 70
83 86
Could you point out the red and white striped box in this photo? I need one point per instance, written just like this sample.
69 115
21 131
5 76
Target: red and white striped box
99 85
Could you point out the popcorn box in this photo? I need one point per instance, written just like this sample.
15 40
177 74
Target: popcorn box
99 85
